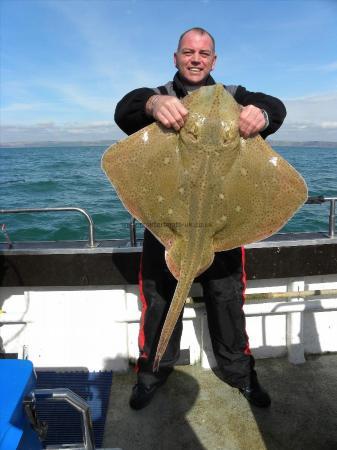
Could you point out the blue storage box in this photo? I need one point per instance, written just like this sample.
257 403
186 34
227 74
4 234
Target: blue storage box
17 379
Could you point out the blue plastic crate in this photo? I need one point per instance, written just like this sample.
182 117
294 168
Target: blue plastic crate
17 379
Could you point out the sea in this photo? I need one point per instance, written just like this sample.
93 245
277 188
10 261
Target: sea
39 177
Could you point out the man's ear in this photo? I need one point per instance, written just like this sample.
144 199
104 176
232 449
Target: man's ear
214 61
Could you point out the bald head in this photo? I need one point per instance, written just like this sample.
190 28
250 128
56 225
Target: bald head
197 30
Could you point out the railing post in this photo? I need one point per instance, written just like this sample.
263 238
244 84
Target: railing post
133 237
76 402
332 218
332 215
294 327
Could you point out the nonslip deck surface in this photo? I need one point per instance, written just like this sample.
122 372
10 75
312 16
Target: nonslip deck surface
196 410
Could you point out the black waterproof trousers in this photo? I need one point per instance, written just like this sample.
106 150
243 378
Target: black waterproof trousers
223 286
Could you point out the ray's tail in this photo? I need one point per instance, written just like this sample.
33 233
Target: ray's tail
198 257
177 304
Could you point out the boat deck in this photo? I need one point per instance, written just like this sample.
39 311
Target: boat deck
196 410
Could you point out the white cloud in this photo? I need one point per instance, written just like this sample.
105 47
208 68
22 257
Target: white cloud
310 118
107 50
74 95
59 102
327 67
332 125
331 67
50 131
13 107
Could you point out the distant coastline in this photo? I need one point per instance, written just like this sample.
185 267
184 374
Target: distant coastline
321 144
44 144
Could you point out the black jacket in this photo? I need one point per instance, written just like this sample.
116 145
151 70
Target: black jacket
130 113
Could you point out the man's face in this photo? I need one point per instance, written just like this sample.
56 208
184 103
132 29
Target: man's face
195 58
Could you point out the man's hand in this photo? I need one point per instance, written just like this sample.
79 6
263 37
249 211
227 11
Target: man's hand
251 121
167 110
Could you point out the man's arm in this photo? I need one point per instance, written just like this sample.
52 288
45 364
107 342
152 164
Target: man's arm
136 110
130 114
143 106
274 108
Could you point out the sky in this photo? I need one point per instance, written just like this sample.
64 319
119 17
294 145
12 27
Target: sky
66 63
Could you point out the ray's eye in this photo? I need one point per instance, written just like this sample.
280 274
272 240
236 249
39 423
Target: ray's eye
226 134
193 132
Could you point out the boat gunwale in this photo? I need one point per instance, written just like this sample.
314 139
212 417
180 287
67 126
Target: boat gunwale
123 245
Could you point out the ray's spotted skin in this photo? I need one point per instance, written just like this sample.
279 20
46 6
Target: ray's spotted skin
203 189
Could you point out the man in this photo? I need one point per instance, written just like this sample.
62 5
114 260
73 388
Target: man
224 282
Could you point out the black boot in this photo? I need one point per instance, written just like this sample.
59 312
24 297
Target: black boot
147 384
255 394
142 395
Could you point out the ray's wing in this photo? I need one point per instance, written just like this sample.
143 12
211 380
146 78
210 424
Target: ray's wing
263 191
146 173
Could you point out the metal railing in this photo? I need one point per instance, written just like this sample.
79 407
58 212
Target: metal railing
132 224
311 201
91 227
332 215
75 401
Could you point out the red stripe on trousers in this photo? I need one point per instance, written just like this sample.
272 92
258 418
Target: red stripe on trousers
247 350
141 336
